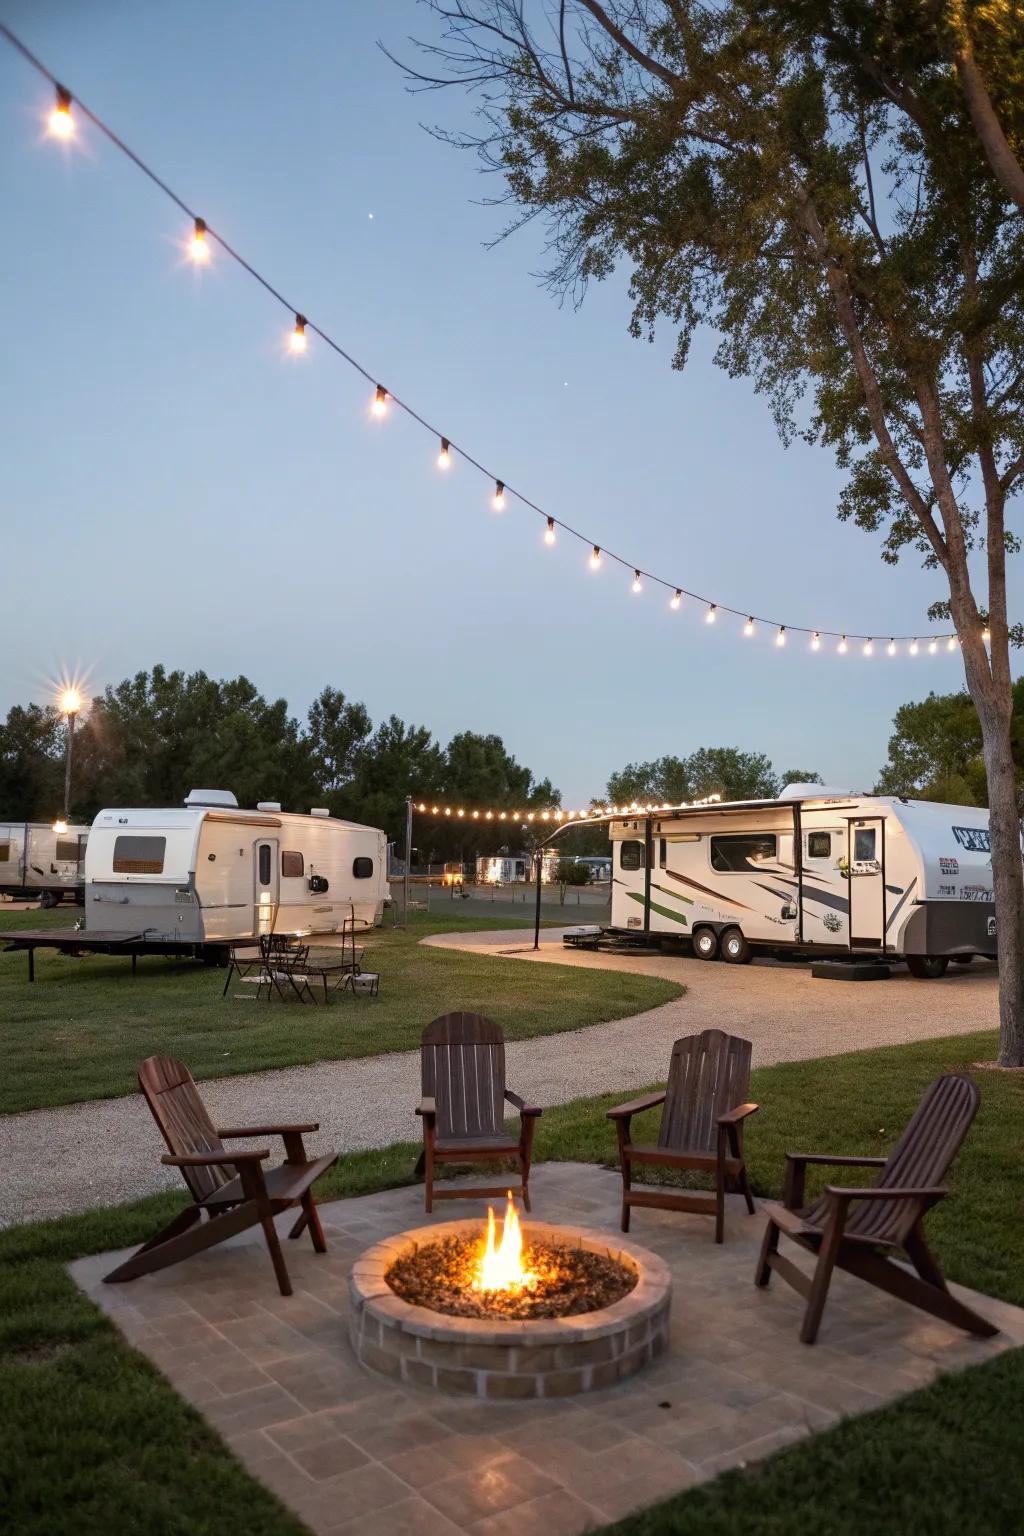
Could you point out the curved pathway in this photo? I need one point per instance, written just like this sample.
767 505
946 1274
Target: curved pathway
102 1152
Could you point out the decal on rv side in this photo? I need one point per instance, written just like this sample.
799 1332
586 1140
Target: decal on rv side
974 839
949 866
975 893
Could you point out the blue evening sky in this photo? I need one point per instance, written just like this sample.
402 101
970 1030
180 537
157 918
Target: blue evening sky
176 489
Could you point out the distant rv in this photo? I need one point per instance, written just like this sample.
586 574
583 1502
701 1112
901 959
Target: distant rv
211 872
817 871
42 859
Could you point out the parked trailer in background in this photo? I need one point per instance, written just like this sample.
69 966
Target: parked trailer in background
41 859
211 872
817 871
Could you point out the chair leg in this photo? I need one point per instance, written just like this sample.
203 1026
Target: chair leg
827 1255
180 1240
316 1231
276 1256
428 1172
770 1246
746 1190
524 1177
627 1176
299 1227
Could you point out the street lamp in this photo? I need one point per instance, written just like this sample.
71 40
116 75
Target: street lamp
70 705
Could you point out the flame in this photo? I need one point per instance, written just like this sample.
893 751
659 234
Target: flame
501 1264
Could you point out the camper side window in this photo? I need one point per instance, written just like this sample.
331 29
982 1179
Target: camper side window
863 844
139 855
67 851
264 864
738 853
819 845
5 853
292 865
362 868
631 855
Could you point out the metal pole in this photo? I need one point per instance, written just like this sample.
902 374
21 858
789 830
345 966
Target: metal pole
408 859
72 717
536 910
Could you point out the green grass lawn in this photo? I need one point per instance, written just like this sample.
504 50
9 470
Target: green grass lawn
92 1440
81 1030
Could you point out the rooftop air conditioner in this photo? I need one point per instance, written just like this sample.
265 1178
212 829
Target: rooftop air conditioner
268 805
221 797
319 810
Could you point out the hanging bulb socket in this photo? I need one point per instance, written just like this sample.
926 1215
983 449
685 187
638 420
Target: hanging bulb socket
199 246
748 628
780 638
62 124
638 585
676 599
712 613
297 340
549 532
595 558
380 401
816 641
499 496
444 458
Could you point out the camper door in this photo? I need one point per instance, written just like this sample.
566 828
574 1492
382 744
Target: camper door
265 885
866 881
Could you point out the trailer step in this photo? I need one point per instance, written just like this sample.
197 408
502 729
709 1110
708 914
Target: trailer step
851 970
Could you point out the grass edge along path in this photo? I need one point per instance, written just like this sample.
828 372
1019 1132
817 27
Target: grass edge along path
92 1438
80 1031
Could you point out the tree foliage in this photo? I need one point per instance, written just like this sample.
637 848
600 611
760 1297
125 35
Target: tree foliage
935 751
724 771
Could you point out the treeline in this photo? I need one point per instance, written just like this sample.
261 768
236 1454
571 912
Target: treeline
935 750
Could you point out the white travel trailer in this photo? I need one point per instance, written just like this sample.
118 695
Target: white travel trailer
819 871
42 859
211 872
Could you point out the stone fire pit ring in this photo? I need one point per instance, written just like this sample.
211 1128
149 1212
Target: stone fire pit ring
548 1357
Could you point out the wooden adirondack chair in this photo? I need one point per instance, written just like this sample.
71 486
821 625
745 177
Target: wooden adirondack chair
231 1190
462 1058
859 1229
701 1126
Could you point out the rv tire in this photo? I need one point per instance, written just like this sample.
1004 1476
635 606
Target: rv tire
705 944
962 959
49 899
927 967
733 947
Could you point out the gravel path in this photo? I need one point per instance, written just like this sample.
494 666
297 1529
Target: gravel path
79 1156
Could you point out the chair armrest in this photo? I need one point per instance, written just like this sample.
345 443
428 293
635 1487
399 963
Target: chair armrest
734 1116
270 1130
825 1160
924 1192
216 1159
521 1104
636 1106
427 1107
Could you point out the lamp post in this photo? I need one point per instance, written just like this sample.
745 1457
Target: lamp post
70 704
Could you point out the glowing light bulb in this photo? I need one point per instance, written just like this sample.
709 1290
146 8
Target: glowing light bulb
933 646
891 648
549 532
842 646
676 598
595 558
868 648
297 340
951 643
70 701
199 246
638 585
444 458
986 635
780 638
712 613
748 628
816 641
62 124
914 647
380 401
499 496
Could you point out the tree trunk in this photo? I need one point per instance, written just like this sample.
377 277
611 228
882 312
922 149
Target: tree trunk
1007 877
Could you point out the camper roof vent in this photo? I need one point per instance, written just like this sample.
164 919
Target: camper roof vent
268 805
222 797
319 810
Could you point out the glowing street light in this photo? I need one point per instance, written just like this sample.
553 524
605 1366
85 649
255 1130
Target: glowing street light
69 703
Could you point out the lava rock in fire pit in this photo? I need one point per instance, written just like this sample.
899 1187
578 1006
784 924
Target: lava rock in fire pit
562 1281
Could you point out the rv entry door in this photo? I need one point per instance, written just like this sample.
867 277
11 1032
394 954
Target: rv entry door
265 887
865 877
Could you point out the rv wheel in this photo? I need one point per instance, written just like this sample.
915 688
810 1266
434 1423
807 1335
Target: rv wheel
705 944
734 947
49 899
927 967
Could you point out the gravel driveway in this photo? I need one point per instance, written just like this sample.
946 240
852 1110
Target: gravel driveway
73 1158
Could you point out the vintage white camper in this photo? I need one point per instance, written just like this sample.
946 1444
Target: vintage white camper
213 872
819 871
44 859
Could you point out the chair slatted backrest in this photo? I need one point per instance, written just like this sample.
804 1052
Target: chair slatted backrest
709 1074
462 1057
184 1123
921 1158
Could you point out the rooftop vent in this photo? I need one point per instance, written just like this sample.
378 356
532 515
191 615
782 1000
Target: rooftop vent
319 810
268 805
819 792
221 797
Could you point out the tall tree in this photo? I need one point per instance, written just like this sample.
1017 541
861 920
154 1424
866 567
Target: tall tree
31 755
724 771
935 751
337 730
846 242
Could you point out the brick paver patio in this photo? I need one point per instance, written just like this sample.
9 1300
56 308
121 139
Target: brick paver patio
352 1452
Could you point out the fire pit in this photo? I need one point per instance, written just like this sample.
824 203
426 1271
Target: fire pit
542 1312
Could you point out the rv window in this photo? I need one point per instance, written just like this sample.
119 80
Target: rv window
139 855
663 853
738 853
819 845
292 865
5 853
362 868
68 850
631 855
264 864
863 844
